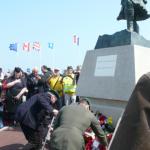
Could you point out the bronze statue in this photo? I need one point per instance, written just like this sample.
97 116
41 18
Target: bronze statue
132 11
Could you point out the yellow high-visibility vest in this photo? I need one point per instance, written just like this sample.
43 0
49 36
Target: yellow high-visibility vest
69 84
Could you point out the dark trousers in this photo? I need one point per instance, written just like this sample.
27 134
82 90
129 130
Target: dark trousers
8 118
33 136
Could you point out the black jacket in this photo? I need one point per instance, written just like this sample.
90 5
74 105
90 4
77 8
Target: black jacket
28 113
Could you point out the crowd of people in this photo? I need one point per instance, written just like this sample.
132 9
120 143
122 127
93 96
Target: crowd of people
18 85
31 100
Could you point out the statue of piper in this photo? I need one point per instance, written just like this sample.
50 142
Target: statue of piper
133 11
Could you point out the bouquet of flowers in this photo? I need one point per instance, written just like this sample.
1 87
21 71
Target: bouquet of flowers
92 142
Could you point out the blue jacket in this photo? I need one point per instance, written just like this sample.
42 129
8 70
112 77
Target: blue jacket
28 112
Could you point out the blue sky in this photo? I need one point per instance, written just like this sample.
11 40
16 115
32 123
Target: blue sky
57 21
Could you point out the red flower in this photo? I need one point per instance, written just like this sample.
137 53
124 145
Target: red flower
109 136
101 147
102 119
88 146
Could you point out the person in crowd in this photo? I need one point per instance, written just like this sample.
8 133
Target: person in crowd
34 83
55 83
70 124
33 114
64 72
1 79
15 87
8 74
133 131
1 97
77 72
69 86
1 74
47 72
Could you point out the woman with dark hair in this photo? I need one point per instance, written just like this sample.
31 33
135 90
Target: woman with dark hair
15 89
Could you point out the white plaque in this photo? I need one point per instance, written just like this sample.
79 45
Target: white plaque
105 65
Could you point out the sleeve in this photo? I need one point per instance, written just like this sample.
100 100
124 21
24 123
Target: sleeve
4 85
98 130
57 120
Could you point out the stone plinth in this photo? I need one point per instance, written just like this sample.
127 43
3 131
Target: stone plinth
109 75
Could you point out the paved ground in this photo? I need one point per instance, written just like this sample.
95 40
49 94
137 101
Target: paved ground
12 139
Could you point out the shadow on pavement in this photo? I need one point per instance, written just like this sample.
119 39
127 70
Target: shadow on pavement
15 147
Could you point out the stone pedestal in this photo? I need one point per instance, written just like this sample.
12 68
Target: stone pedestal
109 75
